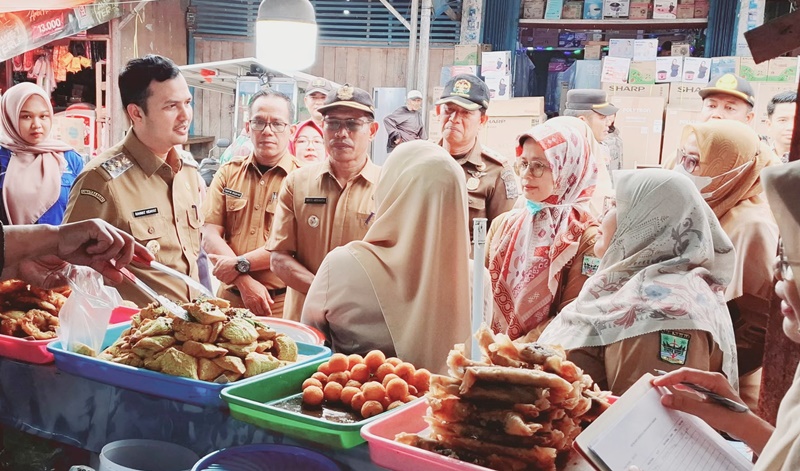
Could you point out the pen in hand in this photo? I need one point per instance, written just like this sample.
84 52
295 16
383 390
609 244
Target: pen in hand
721 400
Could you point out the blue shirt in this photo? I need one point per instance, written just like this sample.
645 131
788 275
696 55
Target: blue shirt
55 214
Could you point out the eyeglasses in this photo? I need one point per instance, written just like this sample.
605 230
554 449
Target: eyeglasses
536 167
304 142
784 268
259 126
688 161
352 125
463 113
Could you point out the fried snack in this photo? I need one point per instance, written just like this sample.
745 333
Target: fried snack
175 362
231 363
240 331
240 351
285 348
207 370
257 363
29 312
205 312
153 328
203 350
8 287
192 331
155 344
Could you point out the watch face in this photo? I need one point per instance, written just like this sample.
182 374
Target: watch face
243 266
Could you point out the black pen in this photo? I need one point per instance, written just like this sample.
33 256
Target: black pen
724 401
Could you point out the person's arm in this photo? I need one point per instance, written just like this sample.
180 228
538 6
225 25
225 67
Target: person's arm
747 427
255 295
575 278
391 123
504 195
292 272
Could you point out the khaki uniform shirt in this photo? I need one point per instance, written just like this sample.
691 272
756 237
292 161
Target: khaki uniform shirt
315 215
138 192
243 201
491 184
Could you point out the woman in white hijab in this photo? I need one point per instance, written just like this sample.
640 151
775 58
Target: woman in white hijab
656 300
405 288
778 448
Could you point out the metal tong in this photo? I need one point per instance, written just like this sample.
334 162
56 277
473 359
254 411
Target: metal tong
191 282
170 306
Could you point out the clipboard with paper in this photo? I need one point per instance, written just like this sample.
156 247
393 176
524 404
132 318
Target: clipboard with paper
638 431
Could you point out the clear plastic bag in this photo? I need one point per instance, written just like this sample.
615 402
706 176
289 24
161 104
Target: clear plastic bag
84 318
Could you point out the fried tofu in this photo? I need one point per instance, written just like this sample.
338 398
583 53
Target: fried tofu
240 351
207 370
155 344
177 363
205 313
203 350
239 331
285 348
153 328
193 331
257 363
231 363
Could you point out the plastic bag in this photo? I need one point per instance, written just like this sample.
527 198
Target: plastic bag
84 318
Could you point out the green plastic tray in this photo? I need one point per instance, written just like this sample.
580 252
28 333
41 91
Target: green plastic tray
251 403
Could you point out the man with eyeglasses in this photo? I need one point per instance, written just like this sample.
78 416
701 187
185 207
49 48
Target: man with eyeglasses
240 209
326 204
491 183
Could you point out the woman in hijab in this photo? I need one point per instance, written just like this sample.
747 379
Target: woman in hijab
722 157
540 255
405 288
36 172
656 300
778 448
307 144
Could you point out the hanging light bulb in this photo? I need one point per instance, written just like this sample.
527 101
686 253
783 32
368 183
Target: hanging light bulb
286 34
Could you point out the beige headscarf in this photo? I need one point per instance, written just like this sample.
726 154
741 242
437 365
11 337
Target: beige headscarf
416 253
33 177
782 185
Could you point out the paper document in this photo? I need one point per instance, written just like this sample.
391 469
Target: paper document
640 432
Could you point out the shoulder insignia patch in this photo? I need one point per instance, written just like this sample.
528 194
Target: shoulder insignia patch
494 156
188 158
674 347
93 194
510 180
117 165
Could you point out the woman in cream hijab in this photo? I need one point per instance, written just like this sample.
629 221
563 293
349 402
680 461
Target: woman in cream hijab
36 172
656 300
405 288
724 160
778 448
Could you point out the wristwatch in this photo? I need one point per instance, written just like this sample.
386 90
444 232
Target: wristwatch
242 265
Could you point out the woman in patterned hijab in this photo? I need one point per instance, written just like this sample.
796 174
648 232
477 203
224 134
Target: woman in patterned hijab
657 300
537 252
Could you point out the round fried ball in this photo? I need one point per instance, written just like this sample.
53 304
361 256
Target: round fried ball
312 382
409 398
354 359
373 391
357 401
332 391
388 378
313 396
383 370
374 359
412 390
405 371
395 404
347 394
341 377
394 361
371 408
397 389
325 368
360 373
422 380
353 383
320 376
338 362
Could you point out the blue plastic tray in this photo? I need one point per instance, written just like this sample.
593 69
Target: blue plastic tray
192 391
265 458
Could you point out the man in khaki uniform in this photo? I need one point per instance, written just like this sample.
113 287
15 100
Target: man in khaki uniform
142 185
329 203
491 183
240 207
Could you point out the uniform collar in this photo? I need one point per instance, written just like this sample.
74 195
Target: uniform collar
147 160
370 172
473 156
286 162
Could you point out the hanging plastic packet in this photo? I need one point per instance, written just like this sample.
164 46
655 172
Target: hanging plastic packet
84 318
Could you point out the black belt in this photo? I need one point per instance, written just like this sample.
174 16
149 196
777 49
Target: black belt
273 293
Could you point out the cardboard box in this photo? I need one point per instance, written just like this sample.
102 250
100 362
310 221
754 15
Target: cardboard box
545 37
764 91
724 65
616 8
72 131
445 75
782 69
669 69
642 72
681 49
684 2
585 74
685 11
685 96
592 51
570 39
665 9
507 120
700 9
752 72
464 69
675 119
621 48
496 64
469 54
615 69
645 49
553 9
640 10
533 9
616 89
593 10
695 70
572 11
500 88
640 121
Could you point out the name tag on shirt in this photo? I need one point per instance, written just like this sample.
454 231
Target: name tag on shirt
234 193
317 200
145 212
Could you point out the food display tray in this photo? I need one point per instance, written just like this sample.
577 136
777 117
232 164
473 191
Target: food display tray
296 330
35 351
254 403
191 391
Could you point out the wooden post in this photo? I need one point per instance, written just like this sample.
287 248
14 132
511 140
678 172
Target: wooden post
781 355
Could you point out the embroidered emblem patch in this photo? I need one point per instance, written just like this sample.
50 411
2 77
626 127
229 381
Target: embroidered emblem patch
233 193
94 195
345 93
674 347
512 192
590 265
462 88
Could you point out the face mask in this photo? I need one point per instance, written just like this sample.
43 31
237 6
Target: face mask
724 187
699 182
533 207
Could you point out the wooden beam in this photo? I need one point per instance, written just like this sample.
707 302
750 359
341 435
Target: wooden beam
777 37
396 14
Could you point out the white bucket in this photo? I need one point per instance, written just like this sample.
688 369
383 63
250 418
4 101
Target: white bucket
146 455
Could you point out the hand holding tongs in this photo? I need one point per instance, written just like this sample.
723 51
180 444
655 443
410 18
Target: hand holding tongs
191 282
170 306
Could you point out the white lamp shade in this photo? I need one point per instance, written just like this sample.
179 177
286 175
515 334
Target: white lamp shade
286 45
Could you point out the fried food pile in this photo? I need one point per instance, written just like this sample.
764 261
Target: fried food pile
221 344
29 312
367 386
518 409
